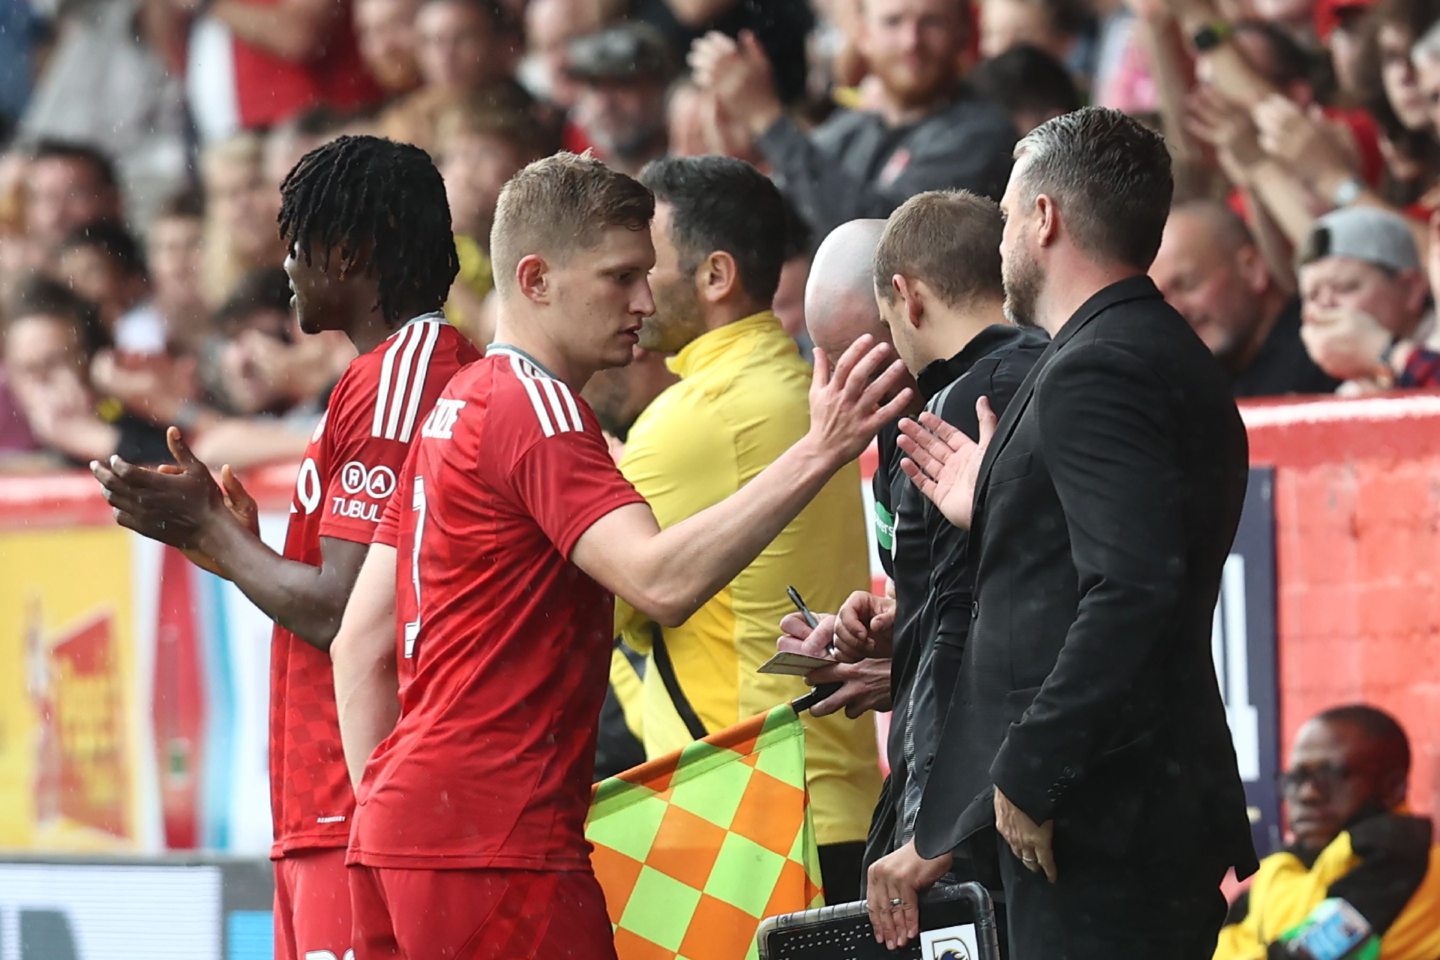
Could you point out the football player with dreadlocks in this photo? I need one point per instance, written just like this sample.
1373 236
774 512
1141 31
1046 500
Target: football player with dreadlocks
368 230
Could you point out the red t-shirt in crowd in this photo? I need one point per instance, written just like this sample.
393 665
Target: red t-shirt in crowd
504 644
271 89
346 479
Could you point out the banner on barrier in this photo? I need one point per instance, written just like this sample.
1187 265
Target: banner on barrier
1243 643
68 710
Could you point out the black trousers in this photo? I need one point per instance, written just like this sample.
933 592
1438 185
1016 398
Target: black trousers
1108 909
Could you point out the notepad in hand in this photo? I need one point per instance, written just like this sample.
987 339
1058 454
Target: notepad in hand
789 664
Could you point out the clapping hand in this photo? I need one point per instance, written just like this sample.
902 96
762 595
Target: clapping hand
172 506
238 501
1302 140
944 463
1226 126
738 74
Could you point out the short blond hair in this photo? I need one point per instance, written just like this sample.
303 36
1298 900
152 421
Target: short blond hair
560 205
950 240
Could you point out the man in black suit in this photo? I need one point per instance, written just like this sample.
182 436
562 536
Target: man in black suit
1086 753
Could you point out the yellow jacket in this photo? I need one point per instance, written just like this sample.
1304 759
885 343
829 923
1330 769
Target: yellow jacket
1284 892
741 401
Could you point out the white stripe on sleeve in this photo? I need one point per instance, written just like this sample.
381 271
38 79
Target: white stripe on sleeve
556 407
422 374
405 369
529 383
387 373
570 402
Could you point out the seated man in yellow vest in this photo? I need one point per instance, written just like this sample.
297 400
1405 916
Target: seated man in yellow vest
1362 879
719 233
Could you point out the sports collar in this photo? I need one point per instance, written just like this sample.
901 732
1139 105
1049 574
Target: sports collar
434 316
506 348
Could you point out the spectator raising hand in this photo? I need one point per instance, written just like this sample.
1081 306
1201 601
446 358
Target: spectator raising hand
1226 127
1303 139
738 75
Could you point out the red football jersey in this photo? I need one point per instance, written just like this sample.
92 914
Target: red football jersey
504 643
346 479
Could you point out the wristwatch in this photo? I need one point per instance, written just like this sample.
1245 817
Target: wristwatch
1347 192
1210 36
1387 374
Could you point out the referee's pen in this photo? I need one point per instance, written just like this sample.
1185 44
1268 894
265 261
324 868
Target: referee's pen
825 690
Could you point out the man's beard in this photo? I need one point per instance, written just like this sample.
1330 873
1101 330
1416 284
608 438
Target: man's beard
1021 277
911 92
608 394
638 143
676 322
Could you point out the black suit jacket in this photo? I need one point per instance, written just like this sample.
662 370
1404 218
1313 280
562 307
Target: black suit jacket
1105 508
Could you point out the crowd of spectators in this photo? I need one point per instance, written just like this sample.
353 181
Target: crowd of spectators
144 142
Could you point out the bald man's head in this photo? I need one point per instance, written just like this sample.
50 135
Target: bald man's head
840 294
1211 271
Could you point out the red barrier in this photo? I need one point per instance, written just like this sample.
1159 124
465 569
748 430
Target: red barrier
46 501
1357 518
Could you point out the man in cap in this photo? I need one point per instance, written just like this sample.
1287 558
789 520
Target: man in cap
623 74
1365 299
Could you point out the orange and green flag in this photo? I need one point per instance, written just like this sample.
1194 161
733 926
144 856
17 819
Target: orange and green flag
694 849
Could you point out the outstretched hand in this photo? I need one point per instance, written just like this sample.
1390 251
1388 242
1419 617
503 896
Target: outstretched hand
944 463
849 406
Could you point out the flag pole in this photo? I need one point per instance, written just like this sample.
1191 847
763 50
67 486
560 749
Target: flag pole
824 691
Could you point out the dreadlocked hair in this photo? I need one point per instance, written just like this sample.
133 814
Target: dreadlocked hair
378 206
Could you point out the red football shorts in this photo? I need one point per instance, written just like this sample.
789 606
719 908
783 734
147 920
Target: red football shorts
312 906
478 915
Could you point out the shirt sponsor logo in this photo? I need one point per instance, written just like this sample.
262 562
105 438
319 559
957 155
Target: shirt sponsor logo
377 483
885 528
355 509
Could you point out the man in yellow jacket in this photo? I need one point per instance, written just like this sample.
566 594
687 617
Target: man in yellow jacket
719 234
1357 855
